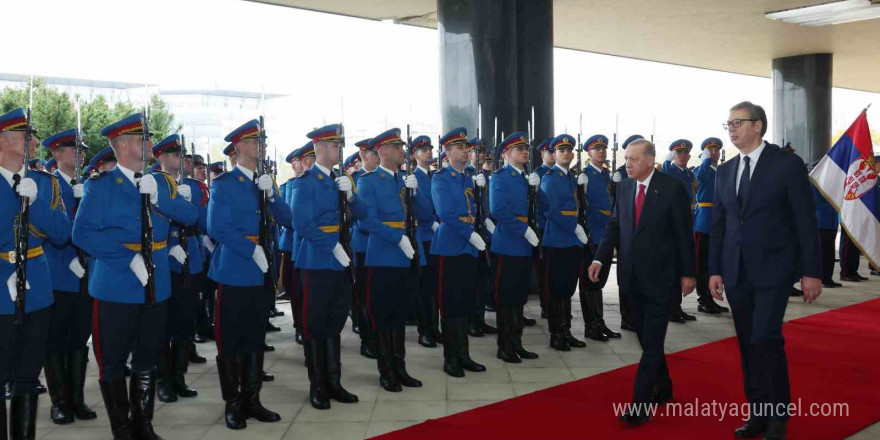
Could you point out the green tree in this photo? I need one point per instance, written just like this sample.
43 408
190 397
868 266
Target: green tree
54 111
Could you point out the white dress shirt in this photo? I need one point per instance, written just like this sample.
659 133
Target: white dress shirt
753 161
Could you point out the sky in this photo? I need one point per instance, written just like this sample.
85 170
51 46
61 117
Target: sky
369 74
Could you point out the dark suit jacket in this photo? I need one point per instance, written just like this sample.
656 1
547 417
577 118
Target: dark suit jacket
775 232
661 248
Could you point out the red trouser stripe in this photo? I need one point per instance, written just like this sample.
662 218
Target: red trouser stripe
305 305
217 320
96 337
440 261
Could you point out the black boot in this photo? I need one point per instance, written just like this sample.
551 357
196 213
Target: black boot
142 390
272 328
316 360
297 320
481 321
592 329
59 391
384 360
251 384
355 323
572 341
462 345
77 361
194 356
180 352
451 364
116 403
505 350
334 373
517 315
528 322
398 363
599 308
164 372
267 347
366 335
473 326
435 319
228 369
556 321
23 417
423 317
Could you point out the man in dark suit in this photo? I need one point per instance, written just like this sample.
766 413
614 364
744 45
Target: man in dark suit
651 228
764 237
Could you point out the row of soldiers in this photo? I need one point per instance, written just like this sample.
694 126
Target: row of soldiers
447 272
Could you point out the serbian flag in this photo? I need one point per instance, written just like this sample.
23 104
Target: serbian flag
846 176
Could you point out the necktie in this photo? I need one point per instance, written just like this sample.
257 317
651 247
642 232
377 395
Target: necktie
744 183
640 202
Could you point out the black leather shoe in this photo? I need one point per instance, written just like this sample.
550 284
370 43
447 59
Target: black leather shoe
267 347
77 362
776 429
194 356
876 273
40 389
687 317
528 322
298 337
676 317
56 377
335 389
796 292
367 351
427 340
558 342
316 361
831 284
859 276
268 377
634 419
708 309
753 428
607 331
198 338
252 382
626 325
850 279
594 331
272 328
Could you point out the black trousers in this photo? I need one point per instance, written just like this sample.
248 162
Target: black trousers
702 244
23 349
207 295
584 282
484 281
182 307
561 269
649 313
389 295
511 280
757 316
71 323
240 318
455 287
826 250
849 256
120 329
428 278
326 300
359 290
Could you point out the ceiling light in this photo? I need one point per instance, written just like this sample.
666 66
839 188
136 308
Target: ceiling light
825 14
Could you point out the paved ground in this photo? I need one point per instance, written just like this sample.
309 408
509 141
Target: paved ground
379 411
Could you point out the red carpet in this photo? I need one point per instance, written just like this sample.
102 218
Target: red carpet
834 357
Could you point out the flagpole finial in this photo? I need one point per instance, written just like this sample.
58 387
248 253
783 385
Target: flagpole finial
866 108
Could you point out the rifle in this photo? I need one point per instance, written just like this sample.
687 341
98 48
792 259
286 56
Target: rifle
265 234
77 170
208 167
722 156
345 220
581 194
183 231
532 193
21 227
146 215
479 212
410 211
497 157
612 186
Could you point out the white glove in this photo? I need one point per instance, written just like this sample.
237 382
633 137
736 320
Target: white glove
177 252
480 180
583 179
340 255
209 245
77 191
186 192
411 182
344 184
13 289
616 177
27 188
534 180
147 185
138 267
76 268
477 241
406 247
435 226
490 226
531 237
260 258
669 156
264 182
582 236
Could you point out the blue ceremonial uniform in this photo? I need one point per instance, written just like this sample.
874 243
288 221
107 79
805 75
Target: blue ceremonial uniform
359 236
425 202
705 176
285 242
599 202
508 195
381 194
194 251
558 191
453 194
60 256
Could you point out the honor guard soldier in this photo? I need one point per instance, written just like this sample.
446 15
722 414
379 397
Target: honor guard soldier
676 166
599 207
199 168
239 265
51 165
548 160
829 223
512 246
477 320
306 158
390 282
322 260
285 240
71 327
427 316
705 175
104 160
352 163
434 164
205 324
24 341
359 238
186 270
563 243
456 246
109 227
232 154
